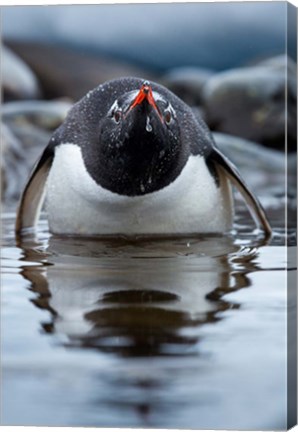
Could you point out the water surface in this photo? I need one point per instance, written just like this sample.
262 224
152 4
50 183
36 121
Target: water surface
164 333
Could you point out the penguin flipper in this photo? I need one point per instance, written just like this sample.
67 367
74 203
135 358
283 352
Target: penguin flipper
33 195
253 204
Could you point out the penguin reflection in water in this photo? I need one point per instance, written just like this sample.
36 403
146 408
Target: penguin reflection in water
131 158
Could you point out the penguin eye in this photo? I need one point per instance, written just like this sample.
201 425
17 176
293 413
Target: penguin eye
167 117
117 116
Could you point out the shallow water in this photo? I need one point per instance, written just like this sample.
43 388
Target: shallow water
172 333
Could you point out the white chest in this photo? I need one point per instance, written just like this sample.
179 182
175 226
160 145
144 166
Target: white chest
76 204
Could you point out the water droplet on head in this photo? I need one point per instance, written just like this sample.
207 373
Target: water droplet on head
148 125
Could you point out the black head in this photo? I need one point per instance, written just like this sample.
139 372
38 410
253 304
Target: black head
140 142
135 136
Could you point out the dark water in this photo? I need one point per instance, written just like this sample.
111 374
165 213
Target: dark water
172 333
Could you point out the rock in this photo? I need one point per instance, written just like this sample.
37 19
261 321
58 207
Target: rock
279 62
18 81
187 83
22 145
13 164
44 114
33 139
64 72
262 168
26 130
247 154
250 103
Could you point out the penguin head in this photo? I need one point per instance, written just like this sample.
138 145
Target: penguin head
140 141
141 120
135 136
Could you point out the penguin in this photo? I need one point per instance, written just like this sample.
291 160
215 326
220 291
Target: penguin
131 158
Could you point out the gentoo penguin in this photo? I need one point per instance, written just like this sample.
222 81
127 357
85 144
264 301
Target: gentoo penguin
132 158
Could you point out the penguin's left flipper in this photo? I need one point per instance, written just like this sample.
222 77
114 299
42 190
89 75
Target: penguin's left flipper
234 176
33 195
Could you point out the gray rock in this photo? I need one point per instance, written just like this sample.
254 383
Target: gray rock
187 83
250 155
13 164
44 114
250 103
279 62
21 147
26 130
261 167
18 80
65 72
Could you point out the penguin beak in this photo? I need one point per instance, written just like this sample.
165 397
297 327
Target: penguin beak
145 94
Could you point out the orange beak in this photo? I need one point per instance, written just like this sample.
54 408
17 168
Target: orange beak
146 93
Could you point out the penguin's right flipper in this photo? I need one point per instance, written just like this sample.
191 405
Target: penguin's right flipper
33 195
253 204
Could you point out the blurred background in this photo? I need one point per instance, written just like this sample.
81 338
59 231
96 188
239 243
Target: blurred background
160 37
229 61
